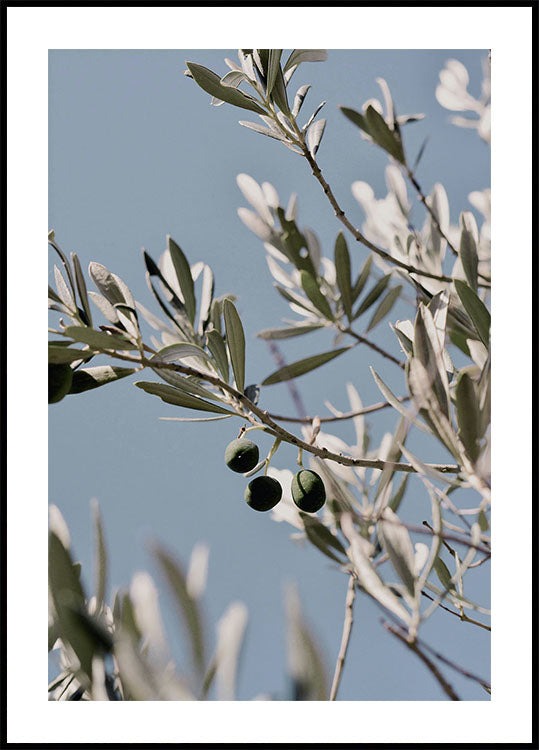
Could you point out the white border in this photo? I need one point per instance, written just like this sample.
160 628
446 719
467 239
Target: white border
31 32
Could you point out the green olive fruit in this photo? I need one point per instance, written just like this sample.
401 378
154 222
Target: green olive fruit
241 455
60 380
263 493
308 491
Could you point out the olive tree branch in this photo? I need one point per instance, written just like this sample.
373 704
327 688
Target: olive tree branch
272 427
347 629
370 344
347 415
412 645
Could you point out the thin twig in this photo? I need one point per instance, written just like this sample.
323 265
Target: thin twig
346 415
294 393
339 213
446 687
372 345
460 615
347 629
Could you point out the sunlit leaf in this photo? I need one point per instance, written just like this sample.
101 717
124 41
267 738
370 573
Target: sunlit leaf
468 249
211 83
398 545
98 339
81 288
298 56
185 279
314 136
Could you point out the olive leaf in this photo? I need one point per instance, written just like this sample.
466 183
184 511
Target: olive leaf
312 290
176 397
476 309
88 378
344 274
385 306
302 366
236 342
211 83
289 332
185 279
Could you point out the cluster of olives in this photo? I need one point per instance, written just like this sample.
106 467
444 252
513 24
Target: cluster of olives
263 493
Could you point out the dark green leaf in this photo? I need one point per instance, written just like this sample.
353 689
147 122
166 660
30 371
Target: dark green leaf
344 274
176 397
185 279
274 60
298 56
396 500
357 118
312 290
373 295
383 135
475 308
443 574
302 366
468 415
205 299
278 94
361 279
93 377
468 255
385 306
236 342
211 83
286 333
59 355
81 287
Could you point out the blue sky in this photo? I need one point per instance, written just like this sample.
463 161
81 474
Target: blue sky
137 152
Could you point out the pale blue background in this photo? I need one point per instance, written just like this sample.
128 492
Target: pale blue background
137 152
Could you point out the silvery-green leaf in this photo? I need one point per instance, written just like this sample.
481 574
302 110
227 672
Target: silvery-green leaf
405 342
322 538
302 366
304 658
292 207
343 273
230 634
217 347
278 93
176 397
395 403
274 61
367 574
100 557
255 223
468 248
179 351
361 279
236 342
233 78
206 298
311 118
63 290
385 306
383 135
298 56
81 287
314 135
440 208
468 415
262 130
398 545
299 99
106 282
53 296
373 295
312 290
255 195
186 604
211 83
286 333
477 311
313 247
65 264
185 383
98 339
296 299
428 349
396 500
104 306
89 378
197 572
183 274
